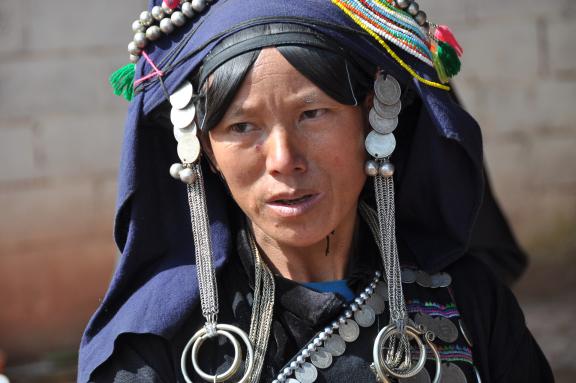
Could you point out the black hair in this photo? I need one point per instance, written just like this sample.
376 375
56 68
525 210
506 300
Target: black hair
345 78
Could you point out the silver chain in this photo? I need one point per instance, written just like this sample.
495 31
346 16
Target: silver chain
203 249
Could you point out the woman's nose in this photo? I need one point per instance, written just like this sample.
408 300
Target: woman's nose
284 154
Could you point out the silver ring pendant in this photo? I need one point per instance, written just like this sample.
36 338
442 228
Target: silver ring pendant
227 331
384 371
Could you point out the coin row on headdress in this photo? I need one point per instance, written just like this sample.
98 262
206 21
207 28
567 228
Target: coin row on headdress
182 116
383 118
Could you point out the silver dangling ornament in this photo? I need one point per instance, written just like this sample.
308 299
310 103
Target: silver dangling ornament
392 348
189 171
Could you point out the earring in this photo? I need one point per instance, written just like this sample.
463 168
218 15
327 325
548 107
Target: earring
189 171
395 338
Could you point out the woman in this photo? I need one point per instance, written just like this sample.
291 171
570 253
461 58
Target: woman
304 260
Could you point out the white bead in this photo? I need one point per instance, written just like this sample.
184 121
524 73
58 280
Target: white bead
198 5
300 359
364 296
153 33
146 18
336 325
137 26
134 58
133 49
305 354
281 378
175 170
348 314
359 301
342 319
373 285
317 342
354 307
187 176
167 10
371 168
287 371
322 336
178 18
166 26
187 10
140 39
157 12
369 290
293 366
386 169
328 330
311 347
378 274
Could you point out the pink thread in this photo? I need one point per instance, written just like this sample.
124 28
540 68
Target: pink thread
443 33
172 3
154 73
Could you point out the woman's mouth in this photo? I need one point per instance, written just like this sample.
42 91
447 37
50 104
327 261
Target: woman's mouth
291 207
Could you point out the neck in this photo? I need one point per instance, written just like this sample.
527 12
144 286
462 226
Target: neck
324 260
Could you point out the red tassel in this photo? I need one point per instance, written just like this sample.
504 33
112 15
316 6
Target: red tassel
172 3
443 33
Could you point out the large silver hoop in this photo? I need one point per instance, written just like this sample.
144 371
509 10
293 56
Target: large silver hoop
383 371
227 331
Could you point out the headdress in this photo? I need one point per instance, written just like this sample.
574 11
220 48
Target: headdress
439 170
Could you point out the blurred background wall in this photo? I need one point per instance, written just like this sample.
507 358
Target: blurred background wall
61 130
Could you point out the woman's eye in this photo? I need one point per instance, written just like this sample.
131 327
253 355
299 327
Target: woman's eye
314 113
241 128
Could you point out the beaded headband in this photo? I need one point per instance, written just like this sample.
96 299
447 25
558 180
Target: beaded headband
399 22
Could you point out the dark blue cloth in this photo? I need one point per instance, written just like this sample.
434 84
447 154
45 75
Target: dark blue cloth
439 178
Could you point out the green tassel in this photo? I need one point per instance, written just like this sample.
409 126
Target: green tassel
442 76
122 81
449 58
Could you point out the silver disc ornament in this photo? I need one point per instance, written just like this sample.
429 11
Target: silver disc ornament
387 111
382 125
349 330
306 373
335 345
181 118
377 303
441 280
408 275
188 149
190 130
365 316
445 329
423 279
451 373
182 96
321 358
387 90
380 145
422 377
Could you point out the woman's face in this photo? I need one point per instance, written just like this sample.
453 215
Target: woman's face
292 157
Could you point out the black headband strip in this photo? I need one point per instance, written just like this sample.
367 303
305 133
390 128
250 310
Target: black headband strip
310 39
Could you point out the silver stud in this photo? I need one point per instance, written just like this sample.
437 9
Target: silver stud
359 301
335 325
167 10
134 58
178 19
317 342
328 330
137 26
293 366
153 33
354 307
140 40
133 49
311 347
386 169
421 18
166 25
300 359
305 354
187 176
413 8
371 168
175 170
281 378
378 274
187 10
157 12
369 290
322 336
198 5
348 314
146 18
364 296
403 4
287 371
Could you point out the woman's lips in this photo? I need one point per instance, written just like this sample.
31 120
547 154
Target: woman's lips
292 207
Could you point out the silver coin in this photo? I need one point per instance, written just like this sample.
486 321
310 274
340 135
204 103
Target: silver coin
349 331
182 96
387 111
292 380
423 279
382 290
440 280
464 332
188 149
335 345
377 303
381 124
445 329
306 373
190 130
408 275
387 90
425 320
380 145
451 373
422 377
321 358
181 118
365 317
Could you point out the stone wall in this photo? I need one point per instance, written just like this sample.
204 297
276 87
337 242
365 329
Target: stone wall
61 128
